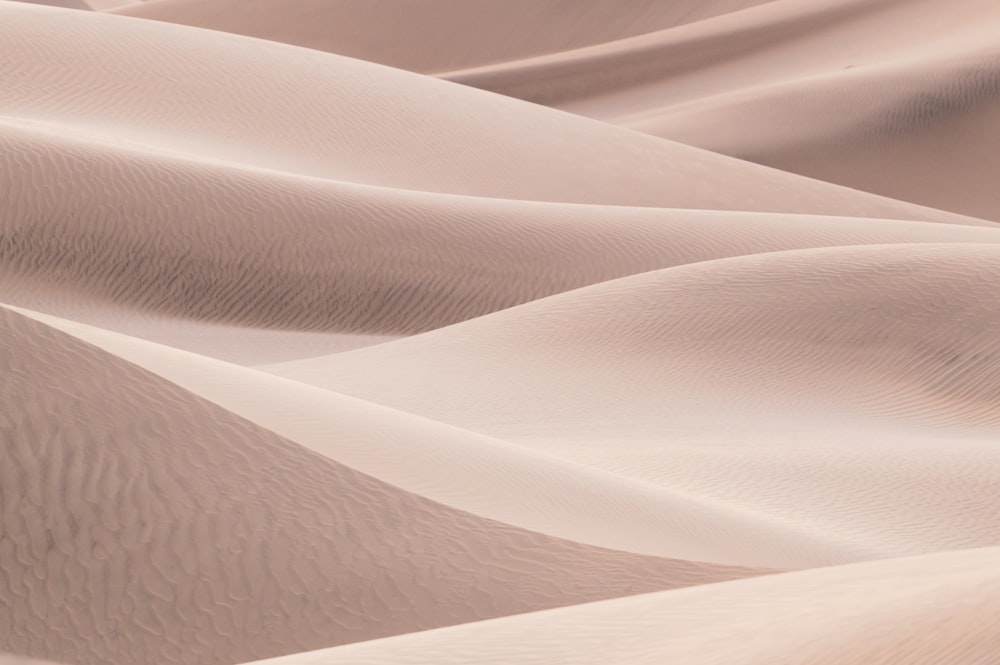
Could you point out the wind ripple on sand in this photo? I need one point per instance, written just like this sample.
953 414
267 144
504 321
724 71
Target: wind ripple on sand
141 524
928 610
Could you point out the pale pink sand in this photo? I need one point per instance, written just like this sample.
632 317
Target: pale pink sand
436 35
484 475
337 119
896 97
788 383
132 238
299 351
142 523
928 610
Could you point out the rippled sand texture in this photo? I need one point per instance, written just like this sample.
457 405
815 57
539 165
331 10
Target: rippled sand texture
438 331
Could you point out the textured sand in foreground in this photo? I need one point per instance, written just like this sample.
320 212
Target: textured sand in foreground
363 331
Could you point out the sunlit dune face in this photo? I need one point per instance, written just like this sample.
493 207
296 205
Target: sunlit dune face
449 333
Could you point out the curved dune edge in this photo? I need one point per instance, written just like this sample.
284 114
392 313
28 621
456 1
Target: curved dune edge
937 608
340 119
889 97
505 331
884 96
142 523
788 383
409 35
175 238
481 475
881 316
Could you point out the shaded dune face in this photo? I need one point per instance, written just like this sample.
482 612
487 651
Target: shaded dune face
903 331
168 235
141 524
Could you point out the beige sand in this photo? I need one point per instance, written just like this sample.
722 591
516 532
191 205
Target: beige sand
480 474
929 610
785 383
152 525
890 96
310 357
359 261
339 119
858 92
410 35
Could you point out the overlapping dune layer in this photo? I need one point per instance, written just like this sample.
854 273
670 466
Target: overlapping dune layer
440 331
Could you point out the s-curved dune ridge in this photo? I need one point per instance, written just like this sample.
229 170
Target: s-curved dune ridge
366 331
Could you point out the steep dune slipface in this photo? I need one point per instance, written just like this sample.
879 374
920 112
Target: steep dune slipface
847 391
141 524
928 610
275 107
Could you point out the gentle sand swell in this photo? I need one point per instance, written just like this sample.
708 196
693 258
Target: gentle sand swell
499 331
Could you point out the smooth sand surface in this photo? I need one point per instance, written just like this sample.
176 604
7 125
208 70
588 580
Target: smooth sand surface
828 365
485 332
890 96
872 94
333 118
408 35
940 608
480 474
152 525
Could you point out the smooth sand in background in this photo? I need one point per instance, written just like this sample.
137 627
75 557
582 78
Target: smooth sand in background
873 94
304 355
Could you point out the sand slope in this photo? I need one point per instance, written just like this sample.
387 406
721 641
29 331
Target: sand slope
485 332
409 35
341 119
856 92
855 373
143 524
156 244
928 610
893 97
484 475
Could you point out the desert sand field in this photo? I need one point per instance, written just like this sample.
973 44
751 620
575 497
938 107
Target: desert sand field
486 332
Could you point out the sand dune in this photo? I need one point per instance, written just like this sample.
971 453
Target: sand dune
151 525
849 91
363 262
437 331
940 608
892 97
830 365
340 119
69 4
408 35
484 475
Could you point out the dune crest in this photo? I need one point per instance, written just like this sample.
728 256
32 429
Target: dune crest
499 331
174 530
